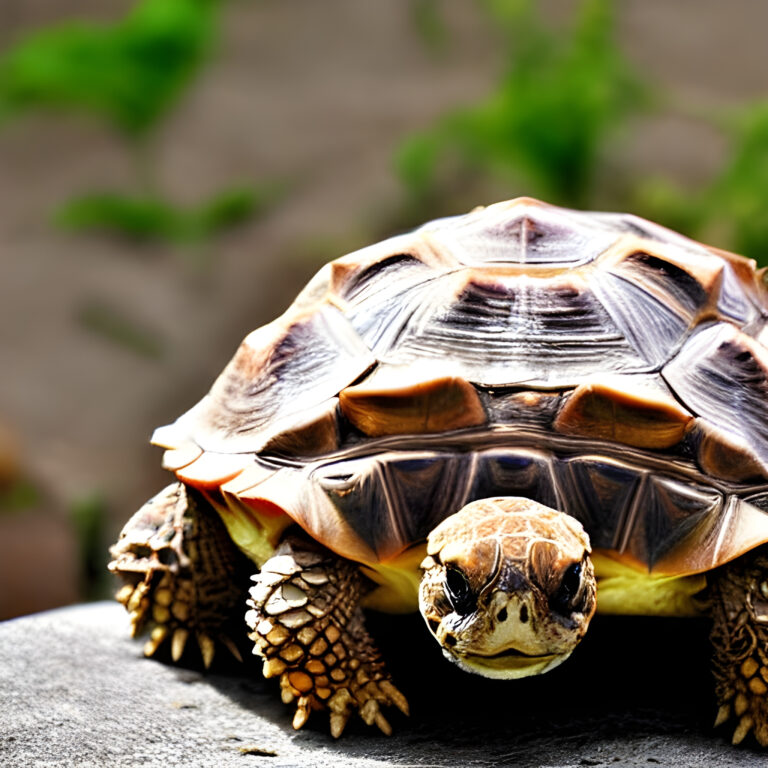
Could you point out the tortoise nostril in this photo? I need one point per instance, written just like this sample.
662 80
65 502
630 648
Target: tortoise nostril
524 614
167 556
502 615
433 625
450 640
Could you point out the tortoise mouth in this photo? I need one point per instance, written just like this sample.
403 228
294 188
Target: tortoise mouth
507 664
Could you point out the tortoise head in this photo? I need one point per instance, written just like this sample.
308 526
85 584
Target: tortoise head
508 587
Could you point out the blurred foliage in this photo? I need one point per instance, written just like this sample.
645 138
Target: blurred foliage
130 73
564 96
738 197
145 218
119 329
429 24
733 207
88 515
559 98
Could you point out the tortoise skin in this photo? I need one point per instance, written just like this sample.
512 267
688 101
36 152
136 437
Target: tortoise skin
597 363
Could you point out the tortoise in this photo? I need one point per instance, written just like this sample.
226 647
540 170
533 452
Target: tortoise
506 420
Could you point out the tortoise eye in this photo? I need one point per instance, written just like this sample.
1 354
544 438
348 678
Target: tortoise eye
458 590
567 590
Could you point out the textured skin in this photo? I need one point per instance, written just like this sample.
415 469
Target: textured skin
183 577
514 555
739 595
308 627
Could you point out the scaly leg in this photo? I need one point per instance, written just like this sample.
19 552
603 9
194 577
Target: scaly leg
309 628
183 575
739 605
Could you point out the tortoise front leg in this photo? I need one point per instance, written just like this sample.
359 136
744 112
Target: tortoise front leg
739 605
309 628
184 578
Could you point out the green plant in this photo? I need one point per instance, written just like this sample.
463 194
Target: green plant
145 218
731 208
558 100
737 200
130 73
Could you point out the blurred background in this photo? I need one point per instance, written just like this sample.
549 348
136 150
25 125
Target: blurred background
173 171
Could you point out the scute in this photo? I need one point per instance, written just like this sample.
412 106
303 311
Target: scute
600 494
652 328
597 363
527 472
281 377
398 402
671 284
667 513
508 330
721 374
522 231
374 508
725 455
620 411
393 500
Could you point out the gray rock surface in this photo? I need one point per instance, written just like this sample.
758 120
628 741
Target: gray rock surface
76 691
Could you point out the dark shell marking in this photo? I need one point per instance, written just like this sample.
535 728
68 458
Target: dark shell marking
597 363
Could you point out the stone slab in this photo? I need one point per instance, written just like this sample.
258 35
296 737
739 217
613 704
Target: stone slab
76 691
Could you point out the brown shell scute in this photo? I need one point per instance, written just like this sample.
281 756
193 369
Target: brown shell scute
522 231
643 419
421 405
281 374
596 363
721 374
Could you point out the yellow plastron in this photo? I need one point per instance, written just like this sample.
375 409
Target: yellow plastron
626 591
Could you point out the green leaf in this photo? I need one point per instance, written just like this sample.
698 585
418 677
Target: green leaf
738 197
558 100
154 219
416 160
130 72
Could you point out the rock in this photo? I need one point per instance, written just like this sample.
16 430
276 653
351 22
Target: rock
76 691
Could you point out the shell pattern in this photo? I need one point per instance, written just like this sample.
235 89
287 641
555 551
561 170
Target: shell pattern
597 363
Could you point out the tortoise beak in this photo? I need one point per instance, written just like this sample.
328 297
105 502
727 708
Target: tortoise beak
507 665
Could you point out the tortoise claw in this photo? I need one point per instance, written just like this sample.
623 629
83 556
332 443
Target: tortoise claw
303 709
229 644
723 715
156 639
742 729
207 648
394 696
178 643
339 721
384 726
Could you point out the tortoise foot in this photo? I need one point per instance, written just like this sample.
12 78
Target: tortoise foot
309 629
739 599
747 701
183 576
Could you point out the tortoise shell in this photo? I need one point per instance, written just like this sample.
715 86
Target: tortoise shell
597 363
